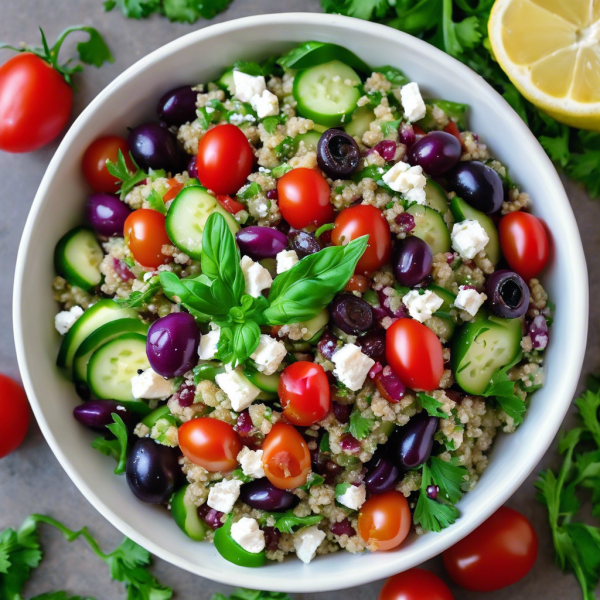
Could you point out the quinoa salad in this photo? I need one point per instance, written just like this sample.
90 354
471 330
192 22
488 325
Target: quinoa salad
303 304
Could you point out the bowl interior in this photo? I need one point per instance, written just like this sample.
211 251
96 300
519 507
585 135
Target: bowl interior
199 57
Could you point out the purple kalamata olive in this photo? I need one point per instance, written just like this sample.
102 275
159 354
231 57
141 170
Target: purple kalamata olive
327 344
272 537
304 243
342 527
478 185
412 261
106 214
373 345
406 134
381 476
437 152
192 167
263 495
351 313
261 242
97 414
337 153
410 446
211 516
508 294
392 384
538 332
178 106
386 149
155 147
342 412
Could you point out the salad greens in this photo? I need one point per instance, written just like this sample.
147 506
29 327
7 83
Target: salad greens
182 11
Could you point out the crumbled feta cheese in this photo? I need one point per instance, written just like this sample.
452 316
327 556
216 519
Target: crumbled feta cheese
223 495
148 276
351 366
238 118
248 535
257 278
469 299
240 391
469 238
421 306
268 354
251 462
306 542
65 319
151 386
407 180
247 86
286 259
208 344
265 104
354 497
412 102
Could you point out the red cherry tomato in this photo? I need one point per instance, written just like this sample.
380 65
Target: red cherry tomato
224 159
35 103
94 162
145 235
415 354
174 187
500 552
452 129
360 220
286 459
304 393
384 520
230 205
210 443
524 243
415 584
304 198
15 415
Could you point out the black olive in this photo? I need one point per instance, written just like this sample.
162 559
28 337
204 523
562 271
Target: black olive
337 153
508 294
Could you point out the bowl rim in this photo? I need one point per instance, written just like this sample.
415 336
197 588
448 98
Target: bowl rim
465 525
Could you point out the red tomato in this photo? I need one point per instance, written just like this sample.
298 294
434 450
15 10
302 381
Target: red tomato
94 162
415 584
286 458
452 129
15 415
35 103
174 187
210 443
381 389
360 220
304 393
415 354
384 520
230 205
304 198
524 243
498 553
224 159
145 235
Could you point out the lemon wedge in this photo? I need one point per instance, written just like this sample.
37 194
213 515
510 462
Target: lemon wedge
550 50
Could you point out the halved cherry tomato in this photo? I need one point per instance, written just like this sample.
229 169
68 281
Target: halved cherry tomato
381 389
14 409
500 552
452 129
210 443
304 198
224 159
230 205
415 354
174 187
360 220
524 243
286 458
145 234
94 160
384 520
415 584
304 393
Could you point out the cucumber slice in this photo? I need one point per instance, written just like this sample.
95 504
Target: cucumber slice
77 258
324 96
360 122
138 407
225 82
113 365
186 516
187 216
442 314
445 295
435 197
319 128
158 413
430 227
103 334
314 325
461 211
94 317
310 139
266 383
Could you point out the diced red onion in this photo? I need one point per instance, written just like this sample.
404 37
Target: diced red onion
185 394
384 300
406 222
538 332
342 528
386 149
210 516
244 423
272 194
349 443
122 270
449 258
376 368
272 536
391 383
406 134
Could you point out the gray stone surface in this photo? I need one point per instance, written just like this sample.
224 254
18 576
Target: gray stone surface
31 480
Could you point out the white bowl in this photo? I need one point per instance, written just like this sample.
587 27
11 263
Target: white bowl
58 206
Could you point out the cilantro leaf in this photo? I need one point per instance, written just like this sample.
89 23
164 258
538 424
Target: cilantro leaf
589 405
286 522
432 515
59 596
449 476
120 170
502 389
431 405
182 11
359 427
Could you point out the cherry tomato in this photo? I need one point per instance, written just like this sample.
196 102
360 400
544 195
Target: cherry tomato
524 243
94 162
35 103
224 159
452 129
174 187
15 415
304 393
230 205
381 389
286 458
415 354
210 443
415 584
384 520
304 198
145 235
500 552
360 220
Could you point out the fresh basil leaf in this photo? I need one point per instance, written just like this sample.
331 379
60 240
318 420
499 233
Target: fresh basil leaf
245 340
311 54
225 348
194 294
393 75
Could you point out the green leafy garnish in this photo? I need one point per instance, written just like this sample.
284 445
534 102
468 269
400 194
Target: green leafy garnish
449 476
431 405
116 448
502 389
138 298
324 444
182 11
156 202
245 594
120 170
311 54
341 489
286 522
314 479
359 427
433 515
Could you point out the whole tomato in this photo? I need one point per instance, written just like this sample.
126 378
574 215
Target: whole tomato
415 584
145 234
94 160
14 409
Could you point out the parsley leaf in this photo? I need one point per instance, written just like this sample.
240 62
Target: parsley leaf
245 594
156 202
449 477
431 405
120 170
502 389
359 427
139 298
116 448
182 11
286 522
432 515
314 479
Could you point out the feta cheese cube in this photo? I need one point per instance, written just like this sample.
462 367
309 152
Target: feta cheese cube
421 306
407 180
351 366
469 299
251 462
265 104
469 238
268 354
286 259
257 278
208 344
65 319
240 391
223 495
354 497
151 386
248 535
306 542
246 86
412 102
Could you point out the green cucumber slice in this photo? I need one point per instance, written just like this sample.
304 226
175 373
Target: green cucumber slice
430 227
187 216
311 54
314 325
266 383
112 366
310 139
322 94
360 122
225 82
77 258
435 197
444 310
186 516
445 295
158 413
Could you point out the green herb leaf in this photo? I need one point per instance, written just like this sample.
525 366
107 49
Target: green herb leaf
116 448
250 191
503 390
156 202
324 444
121 171
137 299
245 594
449 476
432 515
341 489
311 54
286 522
314 480
359 427
392 74
431 405
245 340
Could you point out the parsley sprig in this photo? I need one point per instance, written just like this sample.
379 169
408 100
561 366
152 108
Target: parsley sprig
121 171
182 11
245 594
502 389
117 447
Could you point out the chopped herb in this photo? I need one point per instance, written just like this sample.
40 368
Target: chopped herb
359 426
120 170
431 405
286 522
314 479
